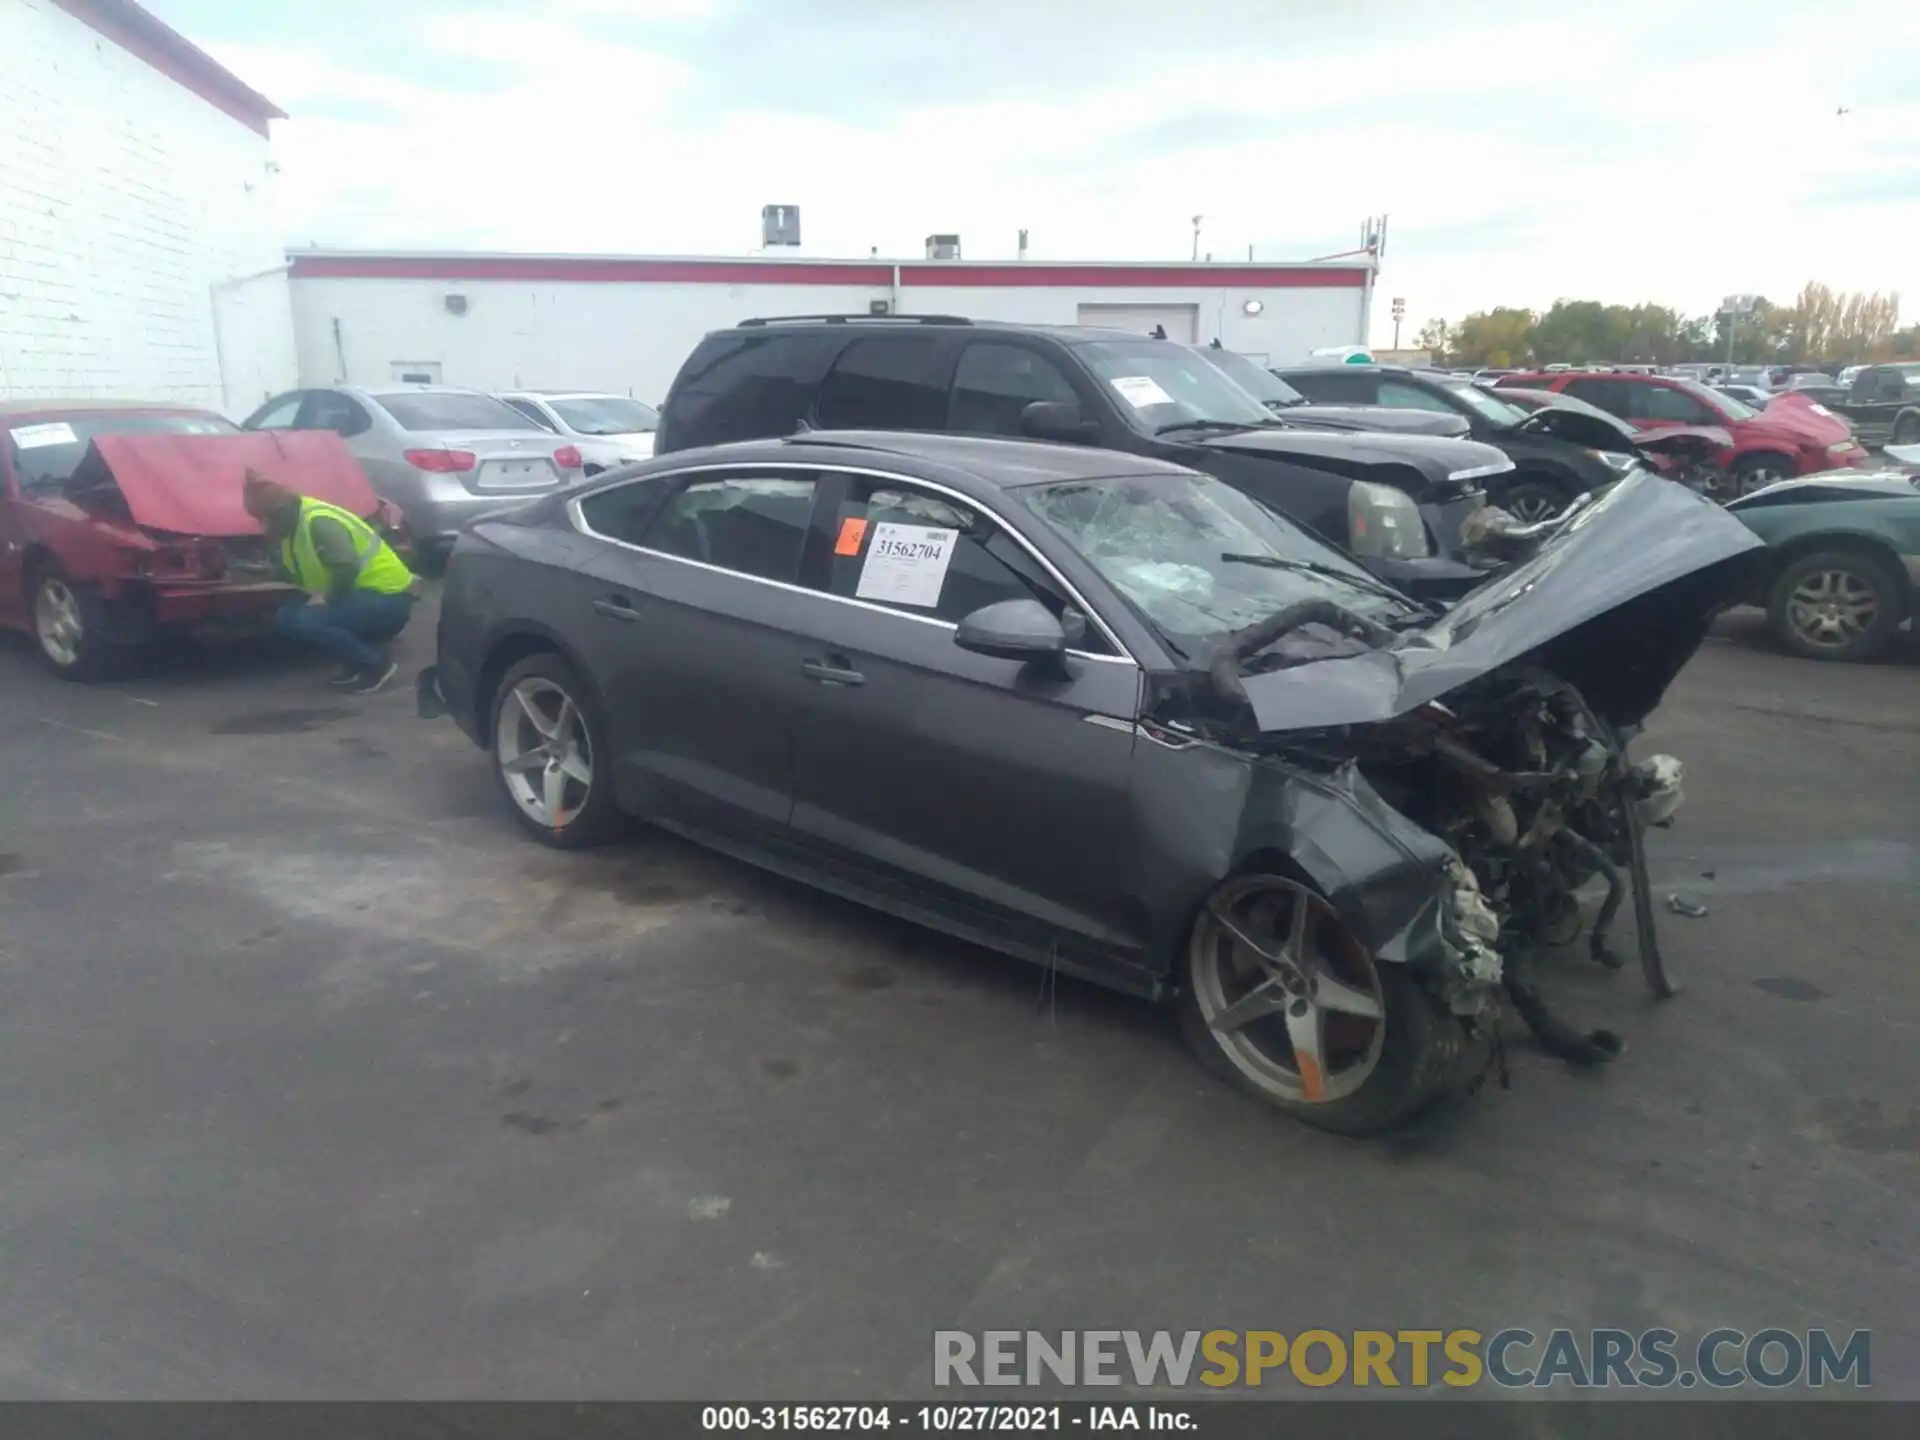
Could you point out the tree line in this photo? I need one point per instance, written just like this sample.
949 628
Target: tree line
1821 325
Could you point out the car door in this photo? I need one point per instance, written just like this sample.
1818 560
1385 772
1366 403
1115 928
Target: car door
996 791
684 608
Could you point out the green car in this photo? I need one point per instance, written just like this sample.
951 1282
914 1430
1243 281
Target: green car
1842 559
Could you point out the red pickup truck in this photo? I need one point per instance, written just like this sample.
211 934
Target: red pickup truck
1792 436
120 520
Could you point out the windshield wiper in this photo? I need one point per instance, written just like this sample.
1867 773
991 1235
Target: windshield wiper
1204 425
1360 581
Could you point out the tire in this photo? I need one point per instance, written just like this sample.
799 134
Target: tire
1533 498
65 621
1373 1072
1756 472
562 797
1867 600
1906 430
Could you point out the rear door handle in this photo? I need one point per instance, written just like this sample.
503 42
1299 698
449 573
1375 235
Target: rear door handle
618 607
830 674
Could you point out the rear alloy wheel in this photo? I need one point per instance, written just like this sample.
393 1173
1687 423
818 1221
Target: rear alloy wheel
1836 605
547 746
1531 501
1756 472
1283 1002
64 628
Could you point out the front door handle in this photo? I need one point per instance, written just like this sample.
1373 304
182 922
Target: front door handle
617 607
829 673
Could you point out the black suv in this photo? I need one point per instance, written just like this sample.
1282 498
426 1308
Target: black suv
1395 502
1548 470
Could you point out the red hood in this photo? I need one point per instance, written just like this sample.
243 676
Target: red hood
190 484
1795 415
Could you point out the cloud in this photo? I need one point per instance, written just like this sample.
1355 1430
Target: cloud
1638 151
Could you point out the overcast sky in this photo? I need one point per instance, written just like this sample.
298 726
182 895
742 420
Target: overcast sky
1627 151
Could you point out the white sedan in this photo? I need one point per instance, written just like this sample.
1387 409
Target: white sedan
608 430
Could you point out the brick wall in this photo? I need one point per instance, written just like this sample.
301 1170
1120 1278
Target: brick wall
125 200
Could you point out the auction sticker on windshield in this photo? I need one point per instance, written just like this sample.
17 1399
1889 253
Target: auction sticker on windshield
1140 391
38 437
906 564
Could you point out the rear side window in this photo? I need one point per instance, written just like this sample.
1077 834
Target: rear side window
1609 395
1403 396
744 385
329 410
1336 387
428 411
622 512
753 524
1663 402
886 382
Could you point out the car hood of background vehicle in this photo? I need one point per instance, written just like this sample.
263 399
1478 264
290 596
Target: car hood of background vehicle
1616 603
1797 416
1434 456
1389 419
190 484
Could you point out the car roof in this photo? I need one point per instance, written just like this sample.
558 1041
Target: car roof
381 392
979 465
912 324
1351 370
566 395
15 409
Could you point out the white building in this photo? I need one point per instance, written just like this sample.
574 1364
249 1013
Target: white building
139 254
626 323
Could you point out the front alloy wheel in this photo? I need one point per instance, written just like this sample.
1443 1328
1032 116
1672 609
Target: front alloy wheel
58 623
1284 1002
547 751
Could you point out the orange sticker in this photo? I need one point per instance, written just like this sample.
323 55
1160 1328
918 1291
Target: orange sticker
853 530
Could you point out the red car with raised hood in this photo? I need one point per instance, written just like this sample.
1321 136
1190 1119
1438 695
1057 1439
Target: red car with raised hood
1792 436
119 521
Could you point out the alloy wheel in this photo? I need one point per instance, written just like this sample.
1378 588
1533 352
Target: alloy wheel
1832 608
1287 994
57 622
545 753
1758 478
1530 507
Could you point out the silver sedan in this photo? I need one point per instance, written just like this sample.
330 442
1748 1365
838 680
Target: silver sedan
445 456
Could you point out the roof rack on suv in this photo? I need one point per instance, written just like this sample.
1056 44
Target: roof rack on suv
863 319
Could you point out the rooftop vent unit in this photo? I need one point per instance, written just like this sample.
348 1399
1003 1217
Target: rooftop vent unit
943 247
779 225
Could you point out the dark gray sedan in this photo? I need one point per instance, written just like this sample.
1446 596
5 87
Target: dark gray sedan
1108 714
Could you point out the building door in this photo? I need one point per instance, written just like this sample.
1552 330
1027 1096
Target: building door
1181 322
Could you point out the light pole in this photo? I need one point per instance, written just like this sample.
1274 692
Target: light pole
1736 308
1399 314
1196 235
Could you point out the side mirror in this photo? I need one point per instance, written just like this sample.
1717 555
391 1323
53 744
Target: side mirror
1013 630
1057 420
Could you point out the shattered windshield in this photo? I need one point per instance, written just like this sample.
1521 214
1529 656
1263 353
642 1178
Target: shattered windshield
1199 558
1163 383
46 451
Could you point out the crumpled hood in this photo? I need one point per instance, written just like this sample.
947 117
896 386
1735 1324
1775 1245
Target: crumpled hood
190 484
1433 455
1804 419
1616 603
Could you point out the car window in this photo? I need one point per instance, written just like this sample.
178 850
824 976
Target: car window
622 512
1608 395
277 414
994 384
426 411
330 410
755 524
1662 402
606 415
920 552
745 385
532 412
1338 387
885 382
1402 396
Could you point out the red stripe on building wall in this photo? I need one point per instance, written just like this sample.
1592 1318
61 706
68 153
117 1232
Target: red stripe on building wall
149 39
591 271
583 270
1156 277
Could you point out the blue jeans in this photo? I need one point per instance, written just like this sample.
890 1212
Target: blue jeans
354 630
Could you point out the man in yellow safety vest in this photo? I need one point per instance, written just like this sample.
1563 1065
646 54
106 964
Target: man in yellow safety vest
359 592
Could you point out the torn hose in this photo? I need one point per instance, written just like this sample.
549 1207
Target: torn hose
1554 1034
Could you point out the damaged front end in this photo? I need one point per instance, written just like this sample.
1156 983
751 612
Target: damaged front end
1454 790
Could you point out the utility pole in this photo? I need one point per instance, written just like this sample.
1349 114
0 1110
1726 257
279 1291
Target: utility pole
1196 235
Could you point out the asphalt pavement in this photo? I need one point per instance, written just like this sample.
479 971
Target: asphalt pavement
318 1080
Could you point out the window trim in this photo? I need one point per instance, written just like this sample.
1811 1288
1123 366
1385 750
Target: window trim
578 519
